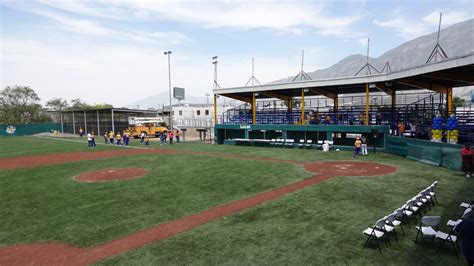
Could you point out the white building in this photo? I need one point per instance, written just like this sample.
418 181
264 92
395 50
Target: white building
193 115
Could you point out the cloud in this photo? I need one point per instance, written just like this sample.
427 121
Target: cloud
412 28
448 18
88 26
120 74
404 27
281 16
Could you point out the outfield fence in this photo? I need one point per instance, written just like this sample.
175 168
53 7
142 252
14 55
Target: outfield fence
434 153
29 129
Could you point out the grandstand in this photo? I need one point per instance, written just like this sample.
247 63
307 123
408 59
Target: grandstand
360 104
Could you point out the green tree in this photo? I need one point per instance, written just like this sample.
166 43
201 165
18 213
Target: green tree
20 105
57 104
79 104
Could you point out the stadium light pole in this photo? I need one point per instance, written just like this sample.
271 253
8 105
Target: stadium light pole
168 53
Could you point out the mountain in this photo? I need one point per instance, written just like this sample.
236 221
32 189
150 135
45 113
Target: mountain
456 40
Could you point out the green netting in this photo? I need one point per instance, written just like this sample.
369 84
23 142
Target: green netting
30 129
451 158
425 154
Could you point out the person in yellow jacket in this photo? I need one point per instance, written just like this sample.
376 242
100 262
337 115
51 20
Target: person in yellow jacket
357 145
111 137
118 137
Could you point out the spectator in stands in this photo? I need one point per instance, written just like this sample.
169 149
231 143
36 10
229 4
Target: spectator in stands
351 120
467 158
327 120
465 230
413 130
378 117
357 146
317 119
361 119
401 128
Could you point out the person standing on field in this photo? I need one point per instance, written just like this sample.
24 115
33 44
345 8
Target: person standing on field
105 138
118 137
364 146
467 160
170 136
93 145
89 140
111 137
177 136
81 132
357 146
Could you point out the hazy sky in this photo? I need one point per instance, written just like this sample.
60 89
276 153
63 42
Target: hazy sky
112 51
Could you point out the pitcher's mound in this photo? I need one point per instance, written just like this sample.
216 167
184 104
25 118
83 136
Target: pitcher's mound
110 174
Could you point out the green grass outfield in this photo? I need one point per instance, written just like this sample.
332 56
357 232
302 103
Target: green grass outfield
321 224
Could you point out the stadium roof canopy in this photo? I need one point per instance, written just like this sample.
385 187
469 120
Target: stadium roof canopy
436 76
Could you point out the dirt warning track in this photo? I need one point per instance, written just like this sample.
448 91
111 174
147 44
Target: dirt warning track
63 254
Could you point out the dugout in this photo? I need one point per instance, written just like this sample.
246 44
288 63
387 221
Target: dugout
99 120
343 136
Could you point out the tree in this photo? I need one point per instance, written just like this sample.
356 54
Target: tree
57 104
79 104
20 105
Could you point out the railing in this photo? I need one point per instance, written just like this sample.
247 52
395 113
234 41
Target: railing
194 123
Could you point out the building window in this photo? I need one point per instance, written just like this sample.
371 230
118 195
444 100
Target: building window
198 112
206 112
180 112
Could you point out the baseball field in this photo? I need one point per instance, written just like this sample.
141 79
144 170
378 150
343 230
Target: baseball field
64 203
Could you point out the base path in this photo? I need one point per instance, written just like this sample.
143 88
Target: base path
62 254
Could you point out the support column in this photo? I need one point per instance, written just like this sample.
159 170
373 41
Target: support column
85 122
367 104
290 104
394 103
449 100
98 124
113 123
336 103
73 123
215 109
62 121
254 109
302 107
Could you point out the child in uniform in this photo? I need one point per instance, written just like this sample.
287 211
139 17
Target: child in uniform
357 145
105 138
81 132
111 137
119 138
147 140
